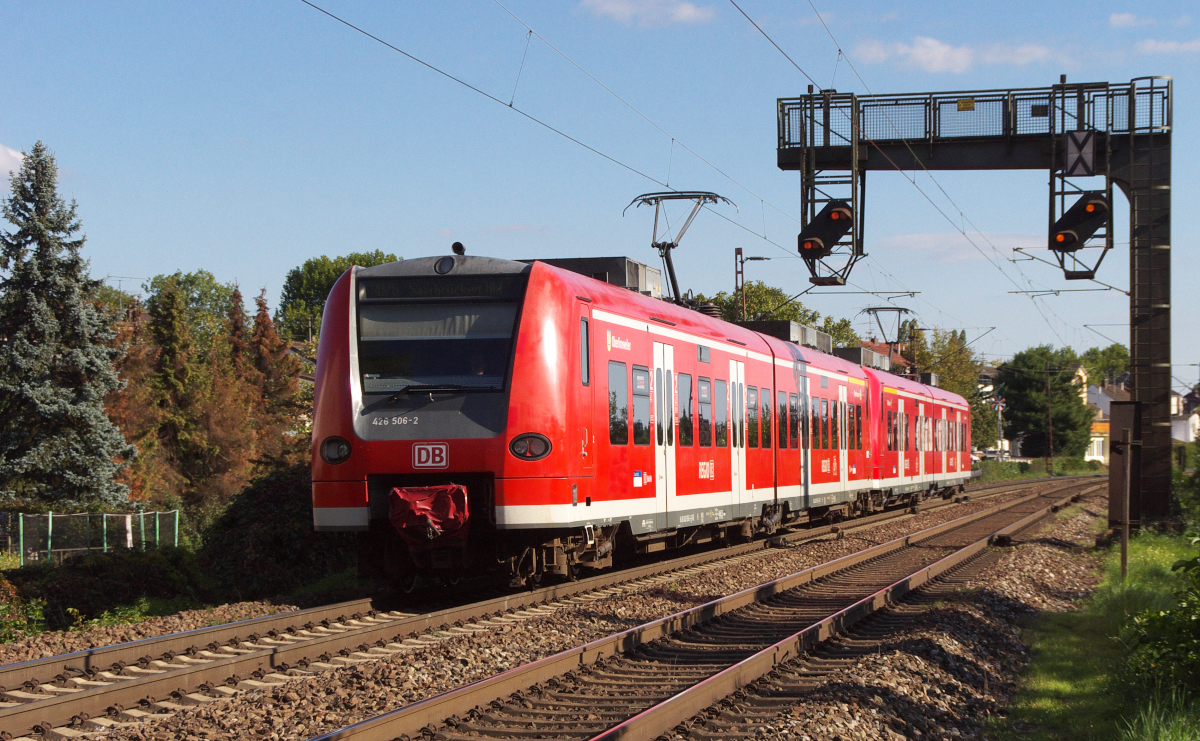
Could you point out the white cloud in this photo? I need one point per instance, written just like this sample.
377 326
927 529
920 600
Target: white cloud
951 247
10 159
1128 20
1183 20
647 13
933 55
1154 46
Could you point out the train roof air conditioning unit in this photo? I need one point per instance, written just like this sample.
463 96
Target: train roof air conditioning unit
790 331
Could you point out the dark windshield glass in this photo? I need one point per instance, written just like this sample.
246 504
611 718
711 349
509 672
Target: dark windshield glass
430 344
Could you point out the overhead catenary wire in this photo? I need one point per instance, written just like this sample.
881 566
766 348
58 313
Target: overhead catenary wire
489 96
870 141
558 131
918 160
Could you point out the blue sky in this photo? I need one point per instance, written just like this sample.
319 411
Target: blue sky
244 138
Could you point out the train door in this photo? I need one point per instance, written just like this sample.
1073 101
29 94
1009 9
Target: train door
901 440
737 432
945 439
664 430
920 440
840 421
805 434
583 462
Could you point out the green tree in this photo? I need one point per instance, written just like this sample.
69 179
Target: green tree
1022 382
306 288
768 302
206 303
946 353
1105 362
58 447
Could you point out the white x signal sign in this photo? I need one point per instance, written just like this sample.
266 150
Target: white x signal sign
1081 154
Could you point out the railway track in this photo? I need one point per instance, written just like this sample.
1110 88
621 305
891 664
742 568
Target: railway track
645 681
66 695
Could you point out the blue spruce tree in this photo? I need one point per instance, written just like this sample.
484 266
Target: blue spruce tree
58 447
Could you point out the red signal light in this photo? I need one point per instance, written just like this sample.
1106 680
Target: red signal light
835 215
1090 207
1060 237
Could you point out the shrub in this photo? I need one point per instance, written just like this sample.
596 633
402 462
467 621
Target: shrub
263 545
18 617
1166 642
88 586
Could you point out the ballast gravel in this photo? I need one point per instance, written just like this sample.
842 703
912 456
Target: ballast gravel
958 664
55 642
325 701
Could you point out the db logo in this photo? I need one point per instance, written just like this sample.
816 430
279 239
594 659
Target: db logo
431 455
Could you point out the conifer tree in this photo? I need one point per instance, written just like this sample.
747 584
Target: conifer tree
279 384
58 447
137 411
235 320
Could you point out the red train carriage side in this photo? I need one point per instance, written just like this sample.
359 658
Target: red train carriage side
475 414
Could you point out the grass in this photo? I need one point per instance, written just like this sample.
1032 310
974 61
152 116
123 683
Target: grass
1072 690
1164 718
993 471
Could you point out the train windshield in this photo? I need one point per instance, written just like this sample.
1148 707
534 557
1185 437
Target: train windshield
451 344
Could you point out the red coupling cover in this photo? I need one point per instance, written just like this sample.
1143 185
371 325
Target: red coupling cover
429 517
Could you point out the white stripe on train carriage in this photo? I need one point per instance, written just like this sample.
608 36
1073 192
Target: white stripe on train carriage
695 339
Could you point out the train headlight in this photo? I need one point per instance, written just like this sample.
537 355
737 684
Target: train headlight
530 446
335 450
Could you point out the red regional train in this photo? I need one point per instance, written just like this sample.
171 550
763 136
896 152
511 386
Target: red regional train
475 414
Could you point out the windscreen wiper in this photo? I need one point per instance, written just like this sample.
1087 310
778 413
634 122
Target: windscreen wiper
404 390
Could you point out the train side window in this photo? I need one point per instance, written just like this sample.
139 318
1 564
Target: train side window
814 436
722 422
765 403
891 431
618 404
906 432
641 405
684 402
858 420
704 396
659 410
782 420
752 417
669 396
824 424
835 425
585 363
794 419
738 422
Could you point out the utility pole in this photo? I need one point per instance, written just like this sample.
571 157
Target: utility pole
1049 427
739 277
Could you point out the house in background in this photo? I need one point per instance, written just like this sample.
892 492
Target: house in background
1100 398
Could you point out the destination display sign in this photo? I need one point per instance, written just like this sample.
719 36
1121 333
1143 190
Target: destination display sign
418 288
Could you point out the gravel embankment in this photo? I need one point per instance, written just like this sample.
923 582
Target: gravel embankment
53 643
322 702
928 681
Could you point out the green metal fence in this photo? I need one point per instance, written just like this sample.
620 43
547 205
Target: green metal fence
53 537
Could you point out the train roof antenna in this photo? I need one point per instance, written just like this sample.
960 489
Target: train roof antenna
664 248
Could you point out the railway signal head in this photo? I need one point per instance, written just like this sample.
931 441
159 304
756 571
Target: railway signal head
820 235
1080 222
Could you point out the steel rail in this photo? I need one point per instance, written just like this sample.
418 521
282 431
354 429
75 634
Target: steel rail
181 663
680 708
432 713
